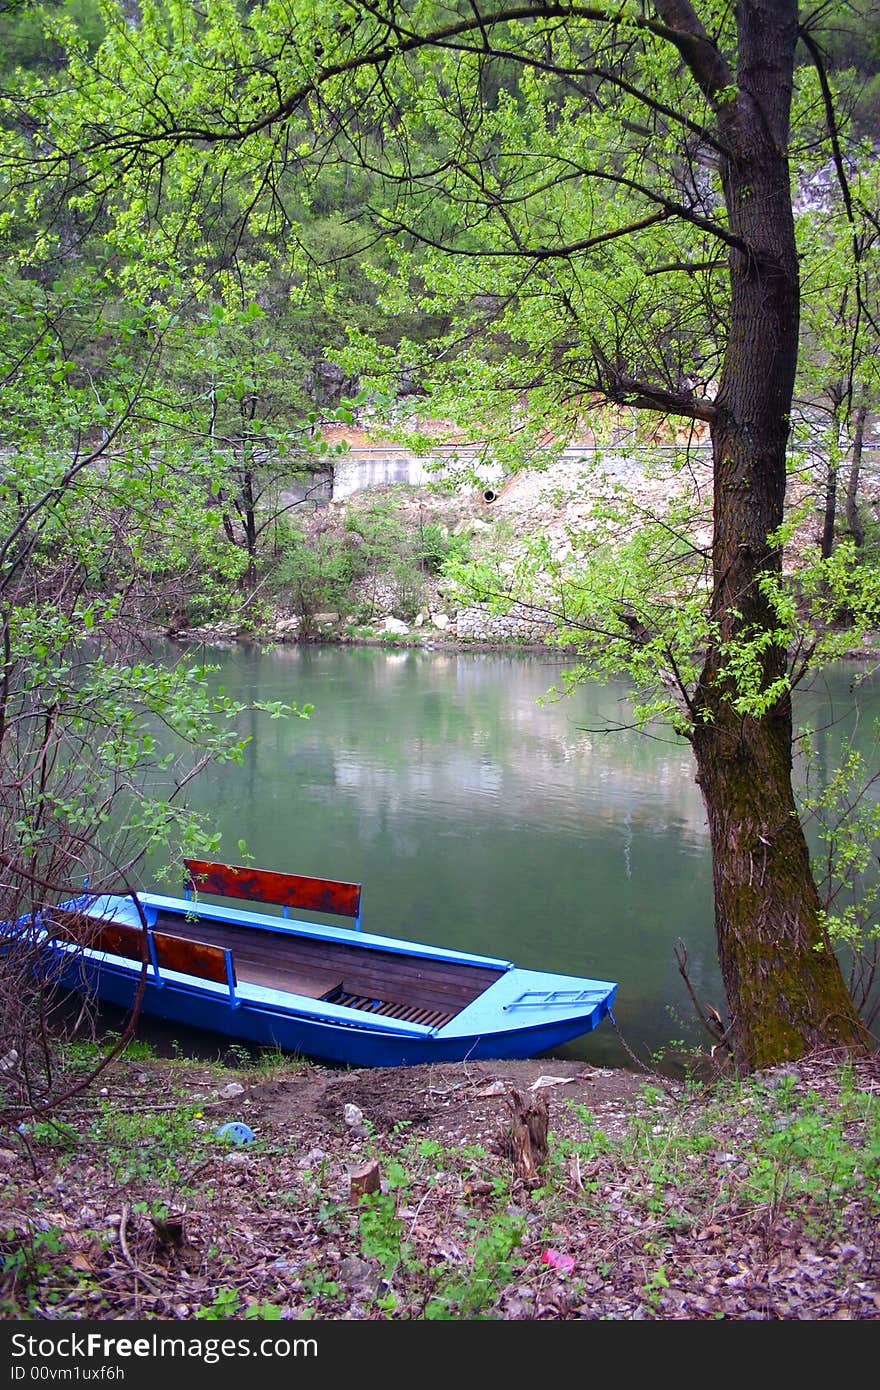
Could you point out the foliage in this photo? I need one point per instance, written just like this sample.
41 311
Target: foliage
32 1263
390 548
152 1148
842 811
849 31
97 741
315 572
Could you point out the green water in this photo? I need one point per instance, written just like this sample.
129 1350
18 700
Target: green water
479 818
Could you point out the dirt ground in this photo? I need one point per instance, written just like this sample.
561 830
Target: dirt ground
654 1200
453 1103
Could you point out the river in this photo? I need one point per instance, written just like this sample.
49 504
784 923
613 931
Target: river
479 816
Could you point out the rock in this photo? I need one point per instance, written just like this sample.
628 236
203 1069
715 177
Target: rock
469 525
354 1119
326 618
441 620
357 1274
7 1158
395 626
229 1092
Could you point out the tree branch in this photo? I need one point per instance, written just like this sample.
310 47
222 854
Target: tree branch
536 253
686 33
678 25
687 267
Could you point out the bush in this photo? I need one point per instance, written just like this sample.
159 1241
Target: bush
436 547
315 573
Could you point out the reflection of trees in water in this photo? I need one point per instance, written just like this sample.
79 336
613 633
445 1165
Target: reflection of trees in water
402 730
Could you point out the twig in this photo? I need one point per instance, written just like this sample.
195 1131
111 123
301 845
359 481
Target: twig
126 1253
642 1065
710 1018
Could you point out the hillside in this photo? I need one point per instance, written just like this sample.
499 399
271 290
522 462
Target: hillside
386 497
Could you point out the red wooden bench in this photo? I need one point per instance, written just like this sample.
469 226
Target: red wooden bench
281 890
158 948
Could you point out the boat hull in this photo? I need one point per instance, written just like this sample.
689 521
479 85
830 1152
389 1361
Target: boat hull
316 990
342 1045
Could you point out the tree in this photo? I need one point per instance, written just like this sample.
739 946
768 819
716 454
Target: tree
97 743
598 201
100 530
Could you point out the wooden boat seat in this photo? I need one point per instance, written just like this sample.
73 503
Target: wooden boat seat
281 890
183 954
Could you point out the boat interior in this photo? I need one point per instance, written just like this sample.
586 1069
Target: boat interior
398 985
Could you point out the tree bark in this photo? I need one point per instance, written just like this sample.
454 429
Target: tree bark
786 994
830 511
853 520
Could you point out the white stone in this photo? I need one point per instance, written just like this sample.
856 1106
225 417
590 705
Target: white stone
440 620
395 626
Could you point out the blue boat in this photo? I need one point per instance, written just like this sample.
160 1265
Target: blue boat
318 989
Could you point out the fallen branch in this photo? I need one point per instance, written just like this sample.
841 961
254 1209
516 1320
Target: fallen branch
126 1253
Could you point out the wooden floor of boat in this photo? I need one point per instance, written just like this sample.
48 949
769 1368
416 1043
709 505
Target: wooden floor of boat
394 984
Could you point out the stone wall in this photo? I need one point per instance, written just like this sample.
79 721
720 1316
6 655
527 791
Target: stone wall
479 624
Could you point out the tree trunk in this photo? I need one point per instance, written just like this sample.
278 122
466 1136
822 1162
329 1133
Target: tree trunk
785 991
832 476
830 511
248 514
853 520
525 1140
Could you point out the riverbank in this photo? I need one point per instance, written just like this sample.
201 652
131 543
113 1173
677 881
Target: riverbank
753 1199
398 595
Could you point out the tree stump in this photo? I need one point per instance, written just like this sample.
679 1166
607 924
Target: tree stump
526 1138
364 1180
